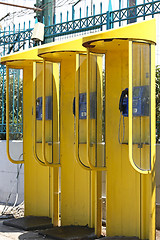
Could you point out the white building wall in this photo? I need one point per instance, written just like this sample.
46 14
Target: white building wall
19 16
8 173
105 3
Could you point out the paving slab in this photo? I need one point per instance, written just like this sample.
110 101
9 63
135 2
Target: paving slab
69 233
11 233
29 223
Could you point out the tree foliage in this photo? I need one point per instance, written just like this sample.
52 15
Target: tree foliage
157 103
15 105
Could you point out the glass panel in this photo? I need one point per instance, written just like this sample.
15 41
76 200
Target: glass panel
16 112
82 82
56 113
52 135
49 111
52 93
38 96
97 110
141 104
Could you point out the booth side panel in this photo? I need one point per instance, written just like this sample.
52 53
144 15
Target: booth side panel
123 183
54 187
145 205
36 177
75 181
153 153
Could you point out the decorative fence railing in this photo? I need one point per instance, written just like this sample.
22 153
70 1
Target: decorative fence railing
15 104
16 39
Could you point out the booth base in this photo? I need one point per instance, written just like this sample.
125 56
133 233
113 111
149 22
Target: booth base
30 223
121 238
6 216
69 233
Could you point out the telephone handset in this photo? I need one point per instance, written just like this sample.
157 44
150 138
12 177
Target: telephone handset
49 107
140 104
140 101
123 108
83 105
123 102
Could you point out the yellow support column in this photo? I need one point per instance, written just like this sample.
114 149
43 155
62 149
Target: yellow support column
152 223
98 204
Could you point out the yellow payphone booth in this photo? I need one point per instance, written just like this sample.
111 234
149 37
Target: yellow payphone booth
75 182
40 210
129 75
93 111
53 92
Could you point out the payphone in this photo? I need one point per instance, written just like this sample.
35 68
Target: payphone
140 101
83 105
48 107
140 106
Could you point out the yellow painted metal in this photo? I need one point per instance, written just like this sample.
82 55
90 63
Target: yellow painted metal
130 194
97 192
54 50
98 204
51 164
88 117
81 135
130 116
53 75
41 192
7 120
100 125
153 150
21 59
134 165
75 182
36 190
95 219
123 182
86 167
93 200
96 41
56 197
34 118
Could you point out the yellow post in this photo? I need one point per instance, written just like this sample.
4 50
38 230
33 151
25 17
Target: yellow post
98 203
152 223
93 130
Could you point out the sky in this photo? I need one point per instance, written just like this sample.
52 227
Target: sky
16 15
19 15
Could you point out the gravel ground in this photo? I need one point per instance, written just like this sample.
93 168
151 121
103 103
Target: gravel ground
10 233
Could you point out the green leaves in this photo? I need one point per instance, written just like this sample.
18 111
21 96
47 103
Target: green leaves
157 103
15 105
